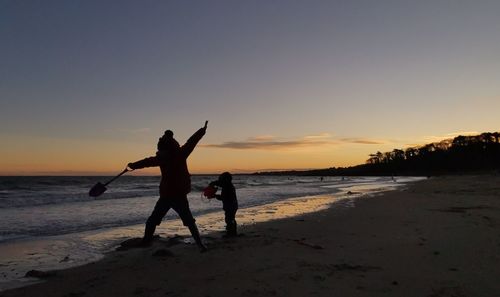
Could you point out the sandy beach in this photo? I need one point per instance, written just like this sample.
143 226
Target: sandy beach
437 237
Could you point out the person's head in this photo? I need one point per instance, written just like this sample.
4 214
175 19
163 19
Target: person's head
167 142
225 178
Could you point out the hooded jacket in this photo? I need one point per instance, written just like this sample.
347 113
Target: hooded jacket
227 195
175 178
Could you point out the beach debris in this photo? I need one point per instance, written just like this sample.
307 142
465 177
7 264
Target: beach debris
459 209
349 267
320 278
314 246
135 242
163 253
130 243
147 291
40 273
176 239
65 259
295 277
448 291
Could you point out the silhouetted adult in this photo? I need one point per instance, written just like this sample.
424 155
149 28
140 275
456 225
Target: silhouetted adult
175 182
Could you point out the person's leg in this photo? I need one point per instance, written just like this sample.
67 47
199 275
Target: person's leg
230 222
196 236
160 210
181 206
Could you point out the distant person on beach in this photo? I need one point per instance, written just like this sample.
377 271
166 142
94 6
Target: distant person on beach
229 201
175 183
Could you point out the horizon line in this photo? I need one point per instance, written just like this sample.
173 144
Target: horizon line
109 173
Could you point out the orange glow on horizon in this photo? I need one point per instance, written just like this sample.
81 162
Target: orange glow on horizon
81 157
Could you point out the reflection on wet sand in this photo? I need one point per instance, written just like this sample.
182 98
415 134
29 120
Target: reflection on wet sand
58 252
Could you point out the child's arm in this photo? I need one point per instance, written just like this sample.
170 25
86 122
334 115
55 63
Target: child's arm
215 183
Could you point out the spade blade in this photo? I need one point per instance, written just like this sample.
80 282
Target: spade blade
97 190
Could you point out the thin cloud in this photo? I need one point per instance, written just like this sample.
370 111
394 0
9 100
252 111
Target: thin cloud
321 135
267 145
273 143
362 141
465 133
436 138
262 138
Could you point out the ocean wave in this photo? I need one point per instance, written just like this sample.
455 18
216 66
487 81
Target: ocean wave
56 210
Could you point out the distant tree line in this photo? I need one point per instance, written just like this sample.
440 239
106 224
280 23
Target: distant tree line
458 155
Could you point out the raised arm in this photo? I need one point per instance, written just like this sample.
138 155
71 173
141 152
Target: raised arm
147 162
190 144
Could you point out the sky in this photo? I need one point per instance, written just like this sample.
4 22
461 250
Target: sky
88 86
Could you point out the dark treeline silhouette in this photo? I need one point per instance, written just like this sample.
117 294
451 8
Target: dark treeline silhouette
458 155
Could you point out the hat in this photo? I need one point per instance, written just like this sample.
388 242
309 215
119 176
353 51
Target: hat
169 134
166 141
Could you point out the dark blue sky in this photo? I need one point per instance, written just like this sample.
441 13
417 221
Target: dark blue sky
108 70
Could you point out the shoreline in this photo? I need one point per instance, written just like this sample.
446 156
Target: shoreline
436 237
72 250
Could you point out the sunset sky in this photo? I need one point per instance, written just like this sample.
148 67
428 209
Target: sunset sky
88 86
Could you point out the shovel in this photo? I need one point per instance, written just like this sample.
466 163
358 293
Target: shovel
100 188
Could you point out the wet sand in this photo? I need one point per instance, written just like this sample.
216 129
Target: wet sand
438 237
76 249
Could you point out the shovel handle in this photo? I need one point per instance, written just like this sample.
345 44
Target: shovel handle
121 173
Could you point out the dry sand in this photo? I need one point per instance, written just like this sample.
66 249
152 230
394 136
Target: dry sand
438 237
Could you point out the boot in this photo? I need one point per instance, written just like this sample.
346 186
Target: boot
231 229
196 236
149 231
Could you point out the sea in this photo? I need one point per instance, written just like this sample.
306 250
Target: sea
50 222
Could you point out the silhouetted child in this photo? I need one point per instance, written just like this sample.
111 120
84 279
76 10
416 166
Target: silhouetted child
229 201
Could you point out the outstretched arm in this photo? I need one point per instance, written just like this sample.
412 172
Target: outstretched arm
216 183
190 144
147 162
